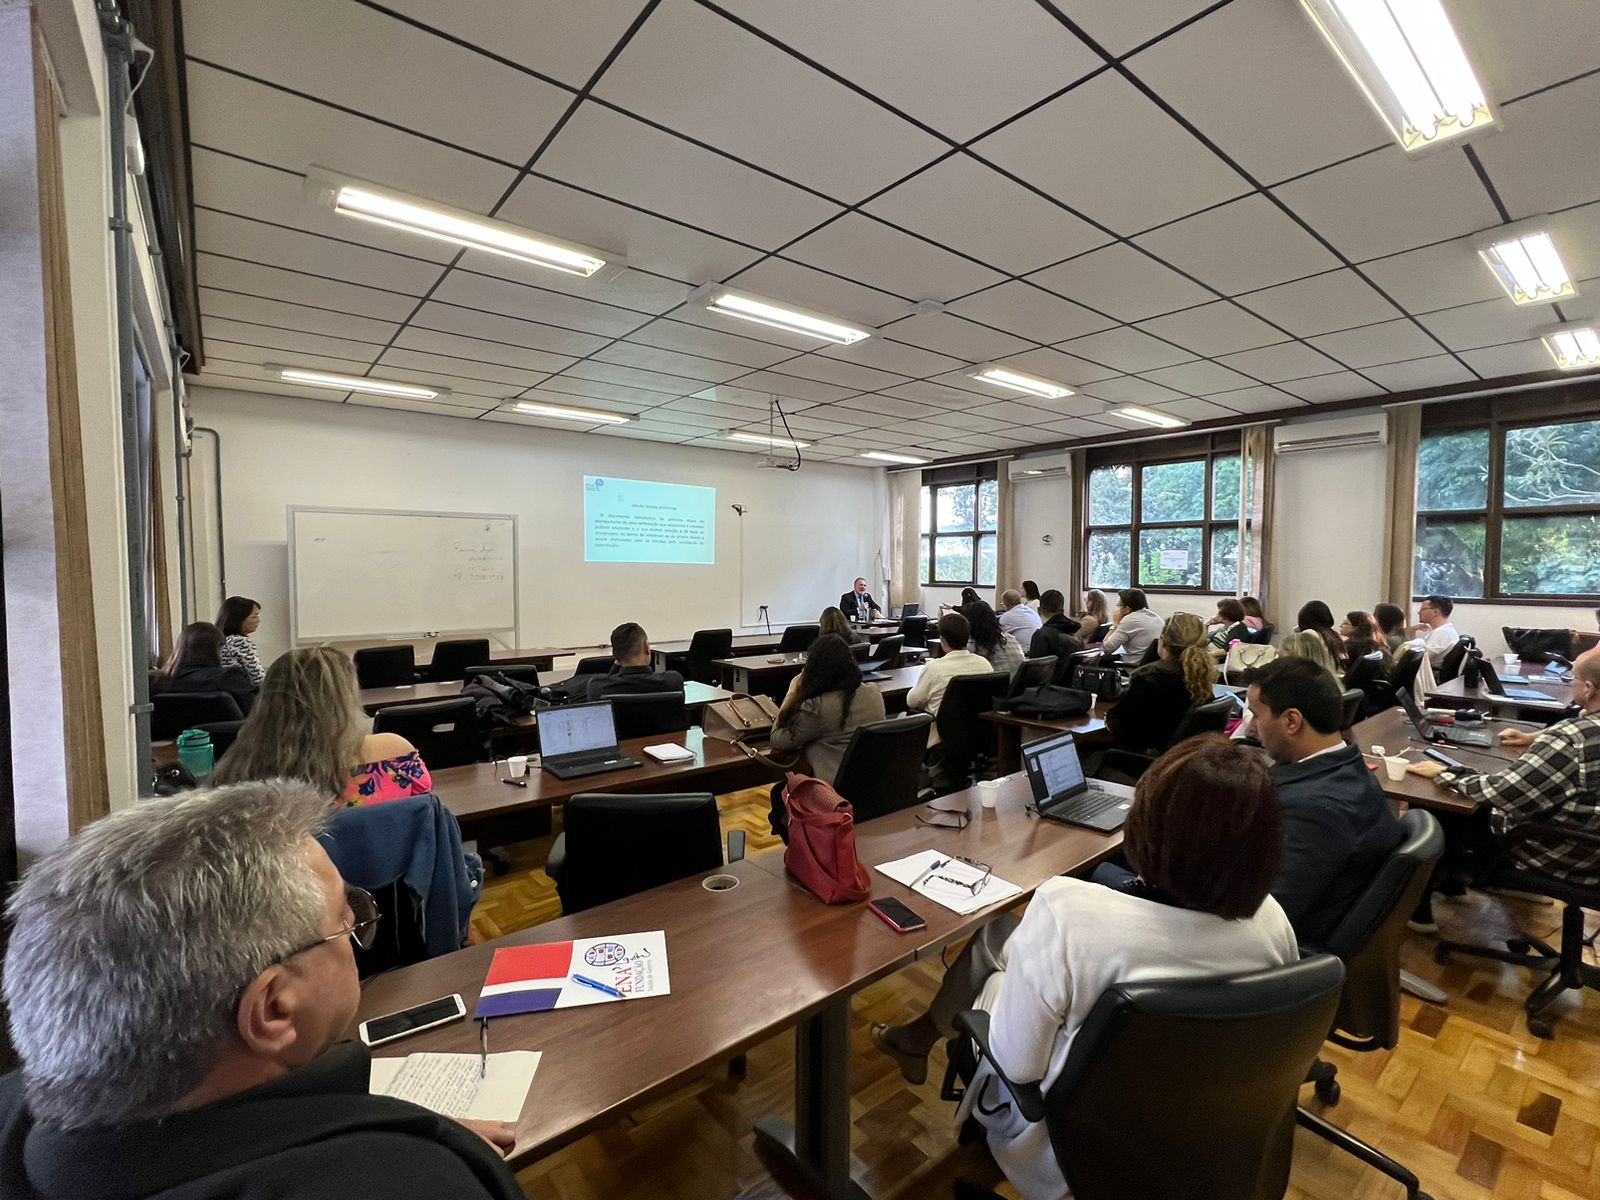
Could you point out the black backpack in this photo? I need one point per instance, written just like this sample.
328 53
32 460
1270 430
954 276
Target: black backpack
501 700
1051 700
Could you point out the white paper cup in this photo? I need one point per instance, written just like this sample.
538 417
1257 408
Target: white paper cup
517 766
1396 766
988 792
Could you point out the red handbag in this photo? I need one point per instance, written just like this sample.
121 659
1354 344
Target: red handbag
822 842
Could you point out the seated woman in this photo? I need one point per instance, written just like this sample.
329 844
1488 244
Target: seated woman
1031 594
1228 626
1391 619
196 666
1301 644
989 641
309 725
1361 638
1254 617
825 703
1161 693
1096 615
833 621
1316 617
238 618
1203 837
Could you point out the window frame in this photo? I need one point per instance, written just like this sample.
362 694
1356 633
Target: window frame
1500 416
1161 452
972 475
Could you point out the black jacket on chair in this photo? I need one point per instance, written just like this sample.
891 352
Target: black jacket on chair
195 678
1338 829
1151 709
1058 636
847 604
633 681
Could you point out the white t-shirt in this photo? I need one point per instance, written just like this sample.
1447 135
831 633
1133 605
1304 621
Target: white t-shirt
1439 641
1077 939
928 692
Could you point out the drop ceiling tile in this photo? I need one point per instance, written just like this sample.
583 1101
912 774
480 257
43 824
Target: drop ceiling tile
937 394
1577 236
885 353
1440 276
1340 385
1212 329
1544 157
270 245
1130 389
876 254
1487 323
1195 409
629 399
679 415
1517 358
1240 246
810 425
760 400
948 334
846 146
631 377
473 349
1049 363
794 283
248 333
967 206
512 331
792 386
1333 300
647 432
1010 412
1031 312
1122 281
505 379
729 415
640 291
1389 341
1119 26
535 304
366 61
284 315
966 421
540 395
508 417
1078 428
709 343
1289 360
464 390
1127 349
219 352
1199 378
1112 154
890 406
841 374
1254 400
1385 202
416 406
670 362
1437 371
252 279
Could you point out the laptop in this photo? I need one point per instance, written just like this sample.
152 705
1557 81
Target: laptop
581 739
1492 681
1454 734
911 610
1061 793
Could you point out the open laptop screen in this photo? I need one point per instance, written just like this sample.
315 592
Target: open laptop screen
576 729
1053 767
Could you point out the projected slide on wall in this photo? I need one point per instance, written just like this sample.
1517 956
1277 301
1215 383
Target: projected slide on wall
635 521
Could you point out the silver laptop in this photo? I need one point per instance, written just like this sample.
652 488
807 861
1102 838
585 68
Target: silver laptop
1061 793
580 739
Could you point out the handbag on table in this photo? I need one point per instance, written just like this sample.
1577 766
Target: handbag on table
822 842
739 717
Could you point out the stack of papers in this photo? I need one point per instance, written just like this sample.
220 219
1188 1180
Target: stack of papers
936 885
670 752
451 1084
600 970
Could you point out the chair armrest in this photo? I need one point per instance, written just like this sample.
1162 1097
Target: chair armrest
1030 1100
556 860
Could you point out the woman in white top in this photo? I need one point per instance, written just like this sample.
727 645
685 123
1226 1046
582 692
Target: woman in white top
238 618
1204 836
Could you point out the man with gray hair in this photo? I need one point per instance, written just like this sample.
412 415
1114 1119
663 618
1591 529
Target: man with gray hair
177 978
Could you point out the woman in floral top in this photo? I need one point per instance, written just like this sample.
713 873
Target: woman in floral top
308 724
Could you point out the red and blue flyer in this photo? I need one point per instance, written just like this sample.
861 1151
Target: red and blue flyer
600 970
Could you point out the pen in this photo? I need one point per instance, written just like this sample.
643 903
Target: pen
597 985
516 782
923 878
483 1053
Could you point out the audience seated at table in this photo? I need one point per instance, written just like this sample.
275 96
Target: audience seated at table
989 640
1361 638
1316 617
1307 646
631 673
195 665
1017 617
1096 615
179 977
956 659
1160 693
1391 621
1136 626
1031 594
833 621
1058 635
1437 633
1228 626
1204 837
309 726
238 618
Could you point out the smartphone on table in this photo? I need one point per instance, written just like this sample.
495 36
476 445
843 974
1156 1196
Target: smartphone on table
429 1015
896 915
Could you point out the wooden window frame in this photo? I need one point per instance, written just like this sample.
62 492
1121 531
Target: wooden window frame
966 475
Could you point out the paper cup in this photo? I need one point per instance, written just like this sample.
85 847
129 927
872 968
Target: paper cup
1396 766
989 792
720 883
517 766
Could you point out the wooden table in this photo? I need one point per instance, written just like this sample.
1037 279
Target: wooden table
668 655
695 695
1010 729
1456 694
1395 733
744 963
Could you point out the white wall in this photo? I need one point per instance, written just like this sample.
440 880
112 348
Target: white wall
277 452
1327 537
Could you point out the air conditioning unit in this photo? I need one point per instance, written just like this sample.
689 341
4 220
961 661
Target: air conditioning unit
1340 433
1041 466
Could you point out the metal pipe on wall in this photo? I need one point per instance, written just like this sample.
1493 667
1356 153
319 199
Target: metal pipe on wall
222 552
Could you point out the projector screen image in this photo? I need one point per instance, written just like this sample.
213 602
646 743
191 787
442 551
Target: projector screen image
634 521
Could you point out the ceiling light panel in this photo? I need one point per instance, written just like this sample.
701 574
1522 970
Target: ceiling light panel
745 307
1574 346
561 412
356 383
1147 416
886 456
761 439
1016 381
1524 259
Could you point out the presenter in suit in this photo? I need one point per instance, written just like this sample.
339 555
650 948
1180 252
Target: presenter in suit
857 604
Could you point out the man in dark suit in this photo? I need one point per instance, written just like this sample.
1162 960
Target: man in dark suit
631 672
857 604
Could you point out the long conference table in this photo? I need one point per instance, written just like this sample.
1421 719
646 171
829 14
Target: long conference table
1554 696
668 655
745 963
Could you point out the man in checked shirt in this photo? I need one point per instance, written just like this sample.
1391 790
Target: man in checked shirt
1557 781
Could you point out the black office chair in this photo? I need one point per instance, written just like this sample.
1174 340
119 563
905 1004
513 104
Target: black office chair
1564 967
1185 1089
886 655
1105 628
223 735
1262 636
881 766
1403 678
616 846
1368 676
1353 700
1033 672
1152 654
705 647
385 666
594 664
451 659
645 714
521 672
861 651
1452 662
445 732
797 638
173 712
915 630
966 742
1125 766
1531 645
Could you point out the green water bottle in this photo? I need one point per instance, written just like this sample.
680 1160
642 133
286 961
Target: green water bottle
195 752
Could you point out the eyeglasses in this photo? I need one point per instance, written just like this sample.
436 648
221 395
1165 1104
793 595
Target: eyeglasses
960 818
972 885
362 930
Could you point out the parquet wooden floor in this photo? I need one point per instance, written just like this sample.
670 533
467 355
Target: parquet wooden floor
1478 1107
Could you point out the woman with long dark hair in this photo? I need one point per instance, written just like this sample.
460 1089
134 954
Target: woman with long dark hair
1391 620
195 665
238 618
989 640
1316 617
1361 637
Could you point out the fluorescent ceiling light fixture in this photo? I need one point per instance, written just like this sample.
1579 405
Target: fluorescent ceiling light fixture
885 456
1146 416
357 383
761 439
1410 64
778 316
382 206
1523 258
1030 385
570 414
1574 346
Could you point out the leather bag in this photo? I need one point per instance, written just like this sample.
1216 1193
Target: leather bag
1103 683
738 717
1245 657
822 842
1051 700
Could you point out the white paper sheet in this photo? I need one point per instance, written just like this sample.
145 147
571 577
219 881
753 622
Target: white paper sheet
669 752
449 1084
955 898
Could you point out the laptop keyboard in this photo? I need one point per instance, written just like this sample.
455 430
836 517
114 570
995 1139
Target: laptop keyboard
1091 804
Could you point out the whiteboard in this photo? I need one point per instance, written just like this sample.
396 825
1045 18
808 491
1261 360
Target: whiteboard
367 573
797 560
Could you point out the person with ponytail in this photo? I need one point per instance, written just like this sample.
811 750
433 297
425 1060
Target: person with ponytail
1161 693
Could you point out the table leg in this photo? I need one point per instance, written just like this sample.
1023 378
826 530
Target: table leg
816 1147
1007 748
1422 989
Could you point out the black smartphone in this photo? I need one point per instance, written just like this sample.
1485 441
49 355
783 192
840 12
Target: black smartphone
412 1020
1443 759
896 915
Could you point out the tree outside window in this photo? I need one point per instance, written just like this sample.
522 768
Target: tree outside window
960 519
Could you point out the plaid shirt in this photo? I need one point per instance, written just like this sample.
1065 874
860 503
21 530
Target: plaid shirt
1557 780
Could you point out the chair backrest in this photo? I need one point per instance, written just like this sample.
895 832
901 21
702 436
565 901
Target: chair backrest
522 672
645 714
915 630
887 652
1534 644
1187 1088
962 735
445 732
1353 699
705 647
1033 672
1450 665
1262 636
1152 653
173 712
1210 717
861 651
1369 934
594 664
223 735
617 846
451 659
797 638
1404 674
385 666
1367 675
878 773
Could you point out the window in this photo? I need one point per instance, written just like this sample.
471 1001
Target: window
960 516
1164 515
1508 504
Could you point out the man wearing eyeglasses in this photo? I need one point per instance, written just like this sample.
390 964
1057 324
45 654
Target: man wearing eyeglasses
180 979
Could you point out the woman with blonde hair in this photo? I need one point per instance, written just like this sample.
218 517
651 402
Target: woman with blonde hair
1095 616
1303 643
308 724
1161 693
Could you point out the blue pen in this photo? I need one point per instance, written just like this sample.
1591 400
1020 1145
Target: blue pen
932 867
597 986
